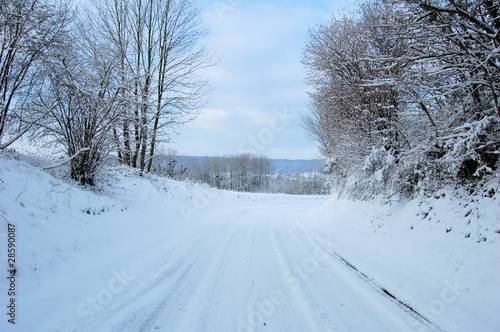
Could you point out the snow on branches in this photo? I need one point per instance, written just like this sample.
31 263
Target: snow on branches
416 80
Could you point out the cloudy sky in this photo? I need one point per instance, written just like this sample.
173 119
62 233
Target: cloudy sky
258 86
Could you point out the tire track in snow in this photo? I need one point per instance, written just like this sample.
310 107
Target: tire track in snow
227 269
296 278
332 297
180 309
415 318
157 287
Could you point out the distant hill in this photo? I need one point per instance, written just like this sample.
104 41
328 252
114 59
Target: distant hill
281 166
290 166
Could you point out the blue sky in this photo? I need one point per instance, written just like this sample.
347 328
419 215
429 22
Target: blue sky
258 86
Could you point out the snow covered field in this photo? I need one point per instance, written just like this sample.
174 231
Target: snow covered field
151 254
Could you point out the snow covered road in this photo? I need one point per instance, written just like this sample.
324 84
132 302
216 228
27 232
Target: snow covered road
245 267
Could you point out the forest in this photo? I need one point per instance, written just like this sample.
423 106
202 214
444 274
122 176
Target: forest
406 95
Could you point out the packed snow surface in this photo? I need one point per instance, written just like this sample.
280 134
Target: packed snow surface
143 253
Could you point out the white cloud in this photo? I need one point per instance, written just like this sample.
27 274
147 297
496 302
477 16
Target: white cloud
211 118
261 45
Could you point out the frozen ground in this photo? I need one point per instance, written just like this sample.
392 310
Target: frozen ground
150 254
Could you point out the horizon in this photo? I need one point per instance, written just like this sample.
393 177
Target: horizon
229 156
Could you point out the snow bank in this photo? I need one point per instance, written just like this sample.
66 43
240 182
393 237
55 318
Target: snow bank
439 255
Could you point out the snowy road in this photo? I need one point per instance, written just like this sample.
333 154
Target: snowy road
150 254
248 267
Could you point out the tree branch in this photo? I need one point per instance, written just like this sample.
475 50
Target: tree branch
67 160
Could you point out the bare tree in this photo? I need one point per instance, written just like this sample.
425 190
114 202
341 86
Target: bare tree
356 102
81 98
30 32
161 61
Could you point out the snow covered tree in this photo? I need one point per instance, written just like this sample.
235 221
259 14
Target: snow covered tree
31 31
80 99
356 103
459 60
160 62
411 88
338 122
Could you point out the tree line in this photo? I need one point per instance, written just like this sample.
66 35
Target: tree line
406 94
243 172
116 75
